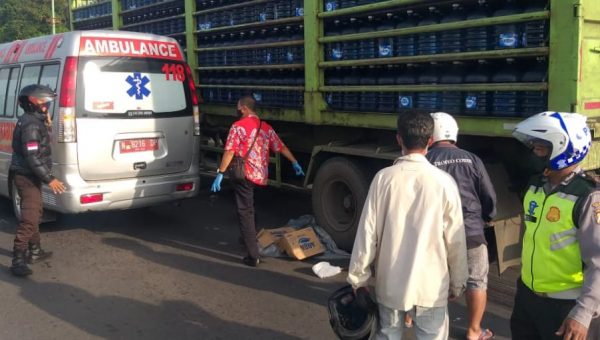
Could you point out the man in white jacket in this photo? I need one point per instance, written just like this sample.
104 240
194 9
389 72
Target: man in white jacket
411 230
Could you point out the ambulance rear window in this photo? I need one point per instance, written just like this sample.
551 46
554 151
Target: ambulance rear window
126 87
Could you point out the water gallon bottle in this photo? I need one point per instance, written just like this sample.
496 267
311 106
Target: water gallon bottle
265 12
299 35
478 38
368 100
282 9
298 96
508 35
428 43
331 5
348 3
477 103
452 40
387 100
367 47
452 101
298 8
334 51
407 76
334 99
406 45
289 53
533 102
429 101
535 33
350 48
351 99
506 103
385 45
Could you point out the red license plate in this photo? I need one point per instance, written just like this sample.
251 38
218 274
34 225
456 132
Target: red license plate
138 145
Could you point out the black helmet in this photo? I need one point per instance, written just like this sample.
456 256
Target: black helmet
352 316
45 94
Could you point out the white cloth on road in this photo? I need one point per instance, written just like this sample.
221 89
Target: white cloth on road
325 269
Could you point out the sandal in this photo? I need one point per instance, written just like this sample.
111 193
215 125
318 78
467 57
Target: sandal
486 334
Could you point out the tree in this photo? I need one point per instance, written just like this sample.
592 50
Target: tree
23 19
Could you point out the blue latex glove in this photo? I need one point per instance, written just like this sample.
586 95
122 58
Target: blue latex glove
216 186
298 169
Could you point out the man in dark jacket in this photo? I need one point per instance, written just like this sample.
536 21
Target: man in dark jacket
478 200
31 165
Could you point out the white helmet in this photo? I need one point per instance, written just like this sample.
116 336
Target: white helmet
568 134
444 127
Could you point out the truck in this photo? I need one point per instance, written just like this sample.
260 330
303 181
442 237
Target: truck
332 76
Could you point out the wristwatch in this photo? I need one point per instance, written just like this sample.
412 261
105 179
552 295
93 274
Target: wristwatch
219 171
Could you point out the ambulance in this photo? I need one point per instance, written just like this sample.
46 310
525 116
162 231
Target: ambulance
125 125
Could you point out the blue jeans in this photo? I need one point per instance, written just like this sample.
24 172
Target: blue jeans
430 323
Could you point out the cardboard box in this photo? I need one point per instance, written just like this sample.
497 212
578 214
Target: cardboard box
300 244
266 237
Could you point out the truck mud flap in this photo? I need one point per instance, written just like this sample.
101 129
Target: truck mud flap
507 224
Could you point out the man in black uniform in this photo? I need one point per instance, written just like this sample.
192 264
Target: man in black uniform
478 200
31 165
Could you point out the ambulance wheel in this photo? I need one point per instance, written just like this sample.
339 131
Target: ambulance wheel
15 199
339 192
47 215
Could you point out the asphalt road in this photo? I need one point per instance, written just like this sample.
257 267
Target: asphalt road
172 272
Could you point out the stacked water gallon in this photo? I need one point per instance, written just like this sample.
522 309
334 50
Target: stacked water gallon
457 60
251 49
163 17
95 16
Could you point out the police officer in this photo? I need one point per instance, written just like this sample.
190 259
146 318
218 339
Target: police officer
31 165
558 293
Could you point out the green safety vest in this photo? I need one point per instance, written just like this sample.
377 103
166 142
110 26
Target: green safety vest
551 258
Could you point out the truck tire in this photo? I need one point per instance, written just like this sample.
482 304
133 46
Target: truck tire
339 192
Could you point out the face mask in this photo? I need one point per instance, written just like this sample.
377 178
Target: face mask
538 164
41 108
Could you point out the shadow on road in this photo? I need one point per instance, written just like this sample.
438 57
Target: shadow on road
254 278
115 317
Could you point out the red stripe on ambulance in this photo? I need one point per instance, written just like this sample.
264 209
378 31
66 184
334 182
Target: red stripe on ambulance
19 51
53 44
100 46
11 50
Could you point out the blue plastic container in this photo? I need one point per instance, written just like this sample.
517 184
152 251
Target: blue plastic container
429 43
452 40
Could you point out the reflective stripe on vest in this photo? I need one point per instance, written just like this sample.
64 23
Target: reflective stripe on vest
551 256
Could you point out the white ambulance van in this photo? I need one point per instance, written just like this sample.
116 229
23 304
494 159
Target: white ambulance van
125 125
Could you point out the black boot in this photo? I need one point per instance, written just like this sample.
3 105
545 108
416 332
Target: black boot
19 265
37 254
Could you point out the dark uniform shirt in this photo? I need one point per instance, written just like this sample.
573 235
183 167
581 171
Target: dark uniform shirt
477 194
31 148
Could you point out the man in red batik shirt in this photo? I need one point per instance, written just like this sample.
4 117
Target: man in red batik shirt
241 136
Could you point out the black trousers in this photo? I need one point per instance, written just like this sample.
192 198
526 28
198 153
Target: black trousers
244 200
28 230
535 317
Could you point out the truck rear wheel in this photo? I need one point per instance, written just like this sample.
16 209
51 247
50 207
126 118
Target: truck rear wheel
339 192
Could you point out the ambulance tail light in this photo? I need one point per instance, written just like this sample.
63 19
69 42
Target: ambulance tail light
185 187
195 108
91 198
67 130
